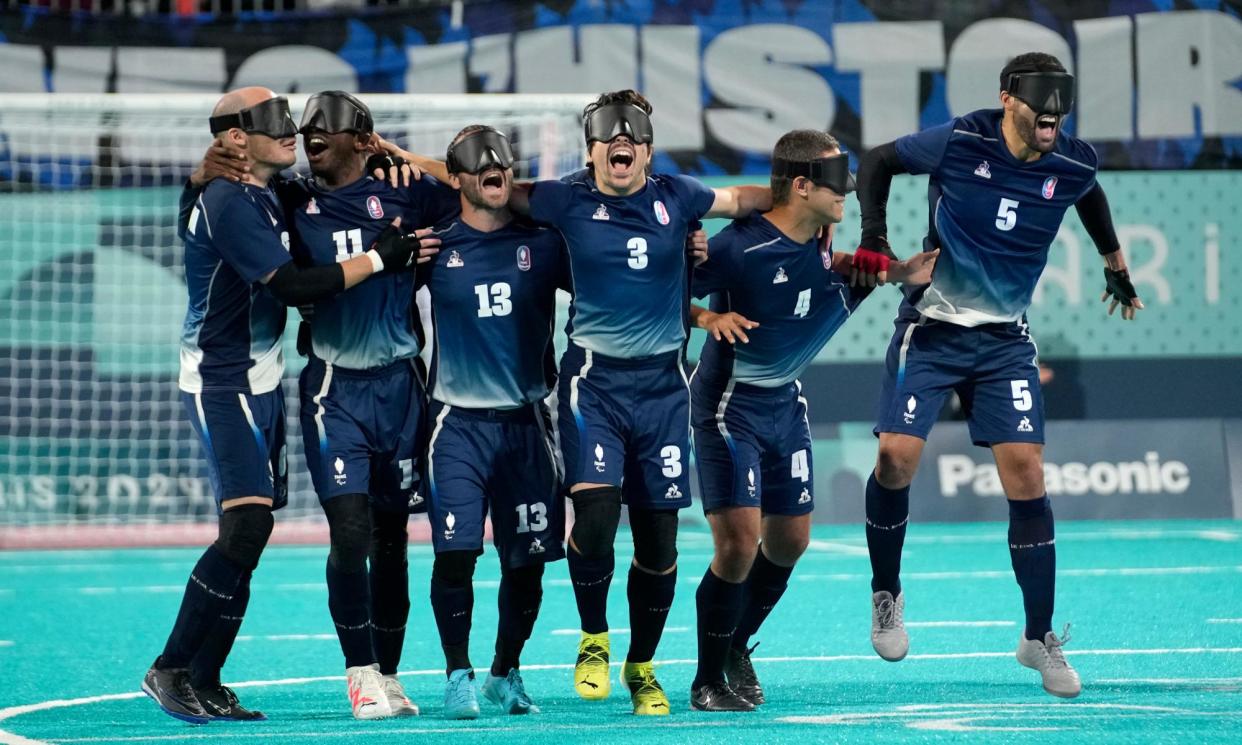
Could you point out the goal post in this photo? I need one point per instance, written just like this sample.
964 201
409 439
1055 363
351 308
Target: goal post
94 447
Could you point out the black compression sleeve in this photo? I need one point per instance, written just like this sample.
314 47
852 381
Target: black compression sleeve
875 175
293 285
189 195
1096 218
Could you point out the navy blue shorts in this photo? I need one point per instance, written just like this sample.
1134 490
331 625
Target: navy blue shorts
752 447
626 423
243 440
992 368
505 461
362 432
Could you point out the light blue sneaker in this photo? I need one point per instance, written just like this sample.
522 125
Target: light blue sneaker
460 699
509 693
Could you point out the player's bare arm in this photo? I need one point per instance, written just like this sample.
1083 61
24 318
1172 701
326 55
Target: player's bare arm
739 201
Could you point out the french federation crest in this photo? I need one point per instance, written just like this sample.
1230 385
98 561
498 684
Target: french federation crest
374 208
312 207
661 212
523 258
1050 186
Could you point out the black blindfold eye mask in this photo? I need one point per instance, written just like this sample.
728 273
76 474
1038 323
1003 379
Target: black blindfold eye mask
832 172
335 112
609 122
1045 92
479 151
270 118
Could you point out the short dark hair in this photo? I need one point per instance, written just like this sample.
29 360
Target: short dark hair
629 95
800 146
1029 62
468 130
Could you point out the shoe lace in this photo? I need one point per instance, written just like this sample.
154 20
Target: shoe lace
1052 647
593 653
745 670
647 681
181 684
461 690
888 614
516 686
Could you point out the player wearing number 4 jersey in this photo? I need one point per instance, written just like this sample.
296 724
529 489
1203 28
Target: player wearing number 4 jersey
778 293
493 303
362 400
1001 182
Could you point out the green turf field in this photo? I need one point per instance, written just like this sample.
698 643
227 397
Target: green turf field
1156 608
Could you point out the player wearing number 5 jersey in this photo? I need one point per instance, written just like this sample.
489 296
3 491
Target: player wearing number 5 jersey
493 304
623 399
1001 182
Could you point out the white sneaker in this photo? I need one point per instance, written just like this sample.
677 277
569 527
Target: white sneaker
397 701
1049 659
888 631
366 693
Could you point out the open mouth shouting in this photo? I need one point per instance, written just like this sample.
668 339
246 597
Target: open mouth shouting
1046 126
316 146
621 159
492 182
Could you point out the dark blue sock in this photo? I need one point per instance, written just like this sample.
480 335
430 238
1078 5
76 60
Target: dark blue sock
591 578
209 591
888 512
349 603
390 588
719 606
1032 548
206 666
521 594
764 586
651 597
454 609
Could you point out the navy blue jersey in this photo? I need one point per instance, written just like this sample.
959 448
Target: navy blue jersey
369 325
788 288
992 215
628 260
235 236
493 306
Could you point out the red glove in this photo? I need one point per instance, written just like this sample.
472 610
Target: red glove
867 261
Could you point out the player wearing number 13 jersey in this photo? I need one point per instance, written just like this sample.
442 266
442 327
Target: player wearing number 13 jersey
623 400
1001 182
493 304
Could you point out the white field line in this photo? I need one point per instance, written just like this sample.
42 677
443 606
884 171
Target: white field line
1224 620
287 637
1008 574
6 642
1170 681
958 624
576 632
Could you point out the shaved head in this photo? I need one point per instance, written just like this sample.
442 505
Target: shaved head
242 98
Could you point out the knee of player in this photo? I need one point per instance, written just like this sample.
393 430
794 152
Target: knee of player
734 558
894 467
244 531
349 527
454 568
597 512
655 540
787 549
389 537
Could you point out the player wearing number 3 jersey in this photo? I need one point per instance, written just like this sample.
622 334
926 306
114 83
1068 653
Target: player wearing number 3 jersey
1001 182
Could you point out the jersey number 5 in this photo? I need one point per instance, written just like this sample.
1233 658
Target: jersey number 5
1007 214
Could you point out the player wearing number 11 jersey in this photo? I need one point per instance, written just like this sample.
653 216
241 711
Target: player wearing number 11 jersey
1001 183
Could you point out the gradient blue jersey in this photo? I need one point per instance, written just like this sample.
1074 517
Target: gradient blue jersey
628 260
235 236
369 325
788 288
993 216
493 306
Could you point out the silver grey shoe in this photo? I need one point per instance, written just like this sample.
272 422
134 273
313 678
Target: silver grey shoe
888 631
1060 679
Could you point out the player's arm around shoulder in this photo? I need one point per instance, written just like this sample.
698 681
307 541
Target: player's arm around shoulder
740 201
720 275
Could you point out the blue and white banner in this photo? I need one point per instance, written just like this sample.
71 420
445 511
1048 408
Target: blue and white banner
1157 88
